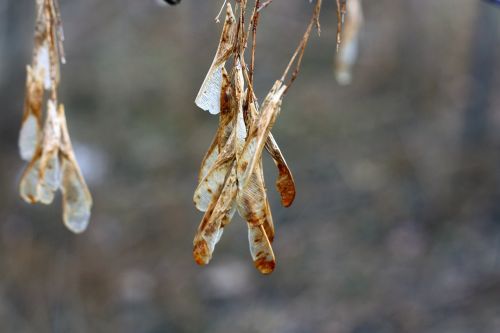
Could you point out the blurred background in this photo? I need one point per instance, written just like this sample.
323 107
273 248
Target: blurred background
396 225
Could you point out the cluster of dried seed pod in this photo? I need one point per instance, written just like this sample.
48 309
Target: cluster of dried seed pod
231 177
44 140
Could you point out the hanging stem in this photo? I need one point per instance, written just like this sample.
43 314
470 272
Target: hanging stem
299 51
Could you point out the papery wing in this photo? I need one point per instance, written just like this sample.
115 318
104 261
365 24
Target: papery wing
29 180
49 176
261 249
285 183
77 201
208 97
259 131
253 205
218 214
223 131
30 135
210 186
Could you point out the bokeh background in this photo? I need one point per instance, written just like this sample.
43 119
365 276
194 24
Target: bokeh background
396 225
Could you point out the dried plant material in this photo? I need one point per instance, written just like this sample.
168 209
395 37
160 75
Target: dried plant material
341 10
348 51
31 134
260 249
215 178
76 197
216 217
52 163
224 130
231 176
285 185
259 131
208 97
28 187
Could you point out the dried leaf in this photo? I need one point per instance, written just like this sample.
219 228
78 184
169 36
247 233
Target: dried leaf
208 97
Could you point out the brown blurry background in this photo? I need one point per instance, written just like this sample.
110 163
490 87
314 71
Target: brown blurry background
396 225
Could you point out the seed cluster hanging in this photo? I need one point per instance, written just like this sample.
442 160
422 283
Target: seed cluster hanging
231 177
44 139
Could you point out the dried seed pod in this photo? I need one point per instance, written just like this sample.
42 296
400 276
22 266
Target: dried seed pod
53 164
285 184
260 249
223 131
231 177
76 197
49 177
215 178
30 134
77 201
258 133
28 187
208 97
218 214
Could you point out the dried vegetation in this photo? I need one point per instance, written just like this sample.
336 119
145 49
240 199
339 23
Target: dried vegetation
44 140
231 177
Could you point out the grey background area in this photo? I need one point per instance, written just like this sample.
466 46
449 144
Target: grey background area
396 224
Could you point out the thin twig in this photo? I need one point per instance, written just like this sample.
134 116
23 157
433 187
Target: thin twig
254 22
299 52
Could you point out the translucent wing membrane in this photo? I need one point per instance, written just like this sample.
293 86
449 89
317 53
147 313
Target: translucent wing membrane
30 134
52 164
260 249
285 183
76 197
208 97
260 129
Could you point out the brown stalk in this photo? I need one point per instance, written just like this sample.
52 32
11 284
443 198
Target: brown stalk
299 51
